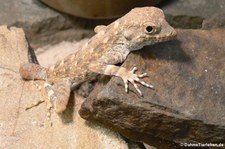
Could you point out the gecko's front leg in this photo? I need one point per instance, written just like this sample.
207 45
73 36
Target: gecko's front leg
104 66
130 76
127 76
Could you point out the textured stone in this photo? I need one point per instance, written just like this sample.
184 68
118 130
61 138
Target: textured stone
31 129
189 13
216 21
188 103
41 24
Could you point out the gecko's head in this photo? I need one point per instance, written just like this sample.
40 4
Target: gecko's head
146 26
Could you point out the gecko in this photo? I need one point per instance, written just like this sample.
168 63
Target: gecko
110 45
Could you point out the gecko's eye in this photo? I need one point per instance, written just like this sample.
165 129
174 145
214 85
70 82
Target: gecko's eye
150 29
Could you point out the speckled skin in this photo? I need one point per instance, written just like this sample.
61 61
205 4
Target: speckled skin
110 46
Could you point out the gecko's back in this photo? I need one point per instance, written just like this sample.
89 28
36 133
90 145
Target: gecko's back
111 45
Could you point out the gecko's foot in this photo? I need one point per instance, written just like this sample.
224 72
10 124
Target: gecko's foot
59 94
132 78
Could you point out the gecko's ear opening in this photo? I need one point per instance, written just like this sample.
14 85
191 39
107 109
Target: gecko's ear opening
128 34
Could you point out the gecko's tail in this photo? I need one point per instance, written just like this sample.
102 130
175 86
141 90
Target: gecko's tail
32 71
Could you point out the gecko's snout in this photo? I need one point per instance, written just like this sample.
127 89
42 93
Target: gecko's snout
170 35
173 33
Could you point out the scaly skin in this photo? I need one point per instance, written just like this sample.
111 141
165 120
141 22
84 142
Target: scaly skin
110 46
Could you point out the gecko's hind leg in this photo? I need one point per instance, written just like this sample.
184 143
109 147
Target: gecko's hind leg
58 95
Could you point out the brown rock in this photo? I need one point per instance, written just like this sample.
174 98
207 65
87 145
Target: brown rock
30 129
190 14
41 24
188 103
216 21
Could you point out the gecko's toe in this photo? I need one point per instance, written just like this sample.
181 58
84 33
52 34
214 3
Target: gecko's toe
133 70
126 85
135 85
142 75
133 78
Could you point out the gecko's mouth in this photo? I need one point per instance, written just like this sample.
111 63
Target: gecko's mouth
163 37
166 37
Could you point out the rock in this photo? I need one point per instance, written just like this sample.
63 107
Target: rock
188 103
216 21
41 24
31 129
189 13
